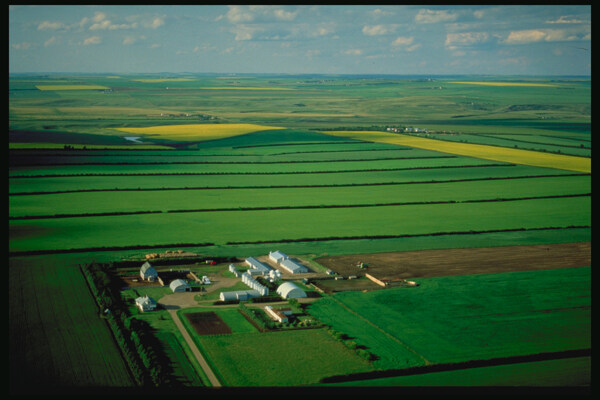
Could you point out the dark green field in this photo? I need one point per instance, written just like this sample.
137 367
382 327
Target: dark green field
307 193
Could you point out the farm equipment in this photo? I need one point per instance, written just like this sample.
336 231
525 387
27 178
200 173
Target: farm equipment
362 265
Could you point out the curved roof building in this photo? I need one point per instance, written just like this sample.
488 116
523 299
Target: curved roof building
179 285
288 290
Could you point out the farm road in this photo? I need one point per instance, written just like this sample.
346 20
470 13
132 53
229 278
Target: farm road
207 370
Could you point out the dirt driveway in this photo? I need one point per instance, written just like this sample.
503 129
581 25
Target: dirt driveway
187 299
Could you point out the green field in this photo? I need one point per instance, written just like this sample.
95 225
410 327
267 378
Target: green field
291 358
308 189
508 314
56 334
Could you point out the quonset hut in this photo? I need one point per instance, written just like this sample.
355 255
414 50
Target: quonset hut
179 285
288 290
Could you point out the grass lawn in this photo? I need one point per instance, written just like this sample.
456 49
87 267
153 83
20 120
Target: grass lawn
290 358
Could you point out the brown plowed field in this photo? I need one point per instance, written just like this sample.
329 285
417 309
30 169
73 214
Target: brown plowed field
208 323
432 263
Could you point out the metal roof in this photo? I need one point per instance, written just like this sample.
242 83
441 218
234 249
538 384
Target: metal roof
289 290
292 266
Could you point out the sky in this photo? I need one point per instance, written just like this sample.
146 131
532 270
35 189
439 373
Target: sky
301 39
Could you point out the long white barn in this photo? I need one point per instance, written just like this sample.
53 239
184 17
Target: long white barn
286 263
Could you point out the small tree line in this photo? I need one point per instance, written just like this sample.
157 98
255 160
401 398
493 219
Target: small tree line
142 351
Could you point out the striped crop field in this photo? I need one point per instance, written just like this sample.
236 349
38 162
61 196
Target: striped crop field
71 87
496 153
197 131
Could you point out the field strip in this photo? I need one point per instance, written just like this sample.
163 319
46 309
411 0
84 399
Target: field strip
260 173
495 153
237 162
298 207
426 361
336 185
151 246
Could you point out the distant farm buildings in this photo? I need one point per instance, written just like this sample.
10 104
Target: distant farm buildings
148 273
257 268
286 263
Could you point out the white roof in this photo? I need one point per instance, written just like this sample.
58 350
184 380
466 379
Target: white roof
277 255
289 290
254 263
145 300
292 266
177 282
147 267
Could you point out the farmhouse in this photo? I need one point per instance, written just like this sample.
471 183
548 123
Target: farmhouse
148 273
288 290
145 303
179 285
279 315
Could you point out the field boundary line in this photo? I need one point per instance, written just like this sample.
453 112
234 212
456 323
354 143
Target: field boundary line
425 360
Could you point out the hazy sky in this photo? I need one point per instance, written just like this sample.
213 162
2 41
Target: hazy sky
497 39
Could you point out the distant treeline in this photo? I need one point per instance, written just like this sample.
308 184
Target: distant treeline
295 186
305 207
426 369
373 237
149 247
260 173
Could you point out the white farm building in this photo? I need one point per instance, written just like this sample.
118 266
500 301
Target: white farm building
254 264
288 290
286 263
179 285
148 273
241 295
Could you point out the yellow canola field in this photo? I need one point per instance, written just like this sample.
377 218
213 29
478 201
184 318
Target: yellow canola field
197 132
504 83
242 88
495 153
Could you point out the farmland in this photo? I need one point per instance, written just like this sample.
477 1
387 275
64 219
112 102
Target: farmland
497 180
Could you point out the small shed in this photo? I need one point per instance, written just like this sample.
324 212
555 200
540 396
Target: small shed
179 285
148 273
